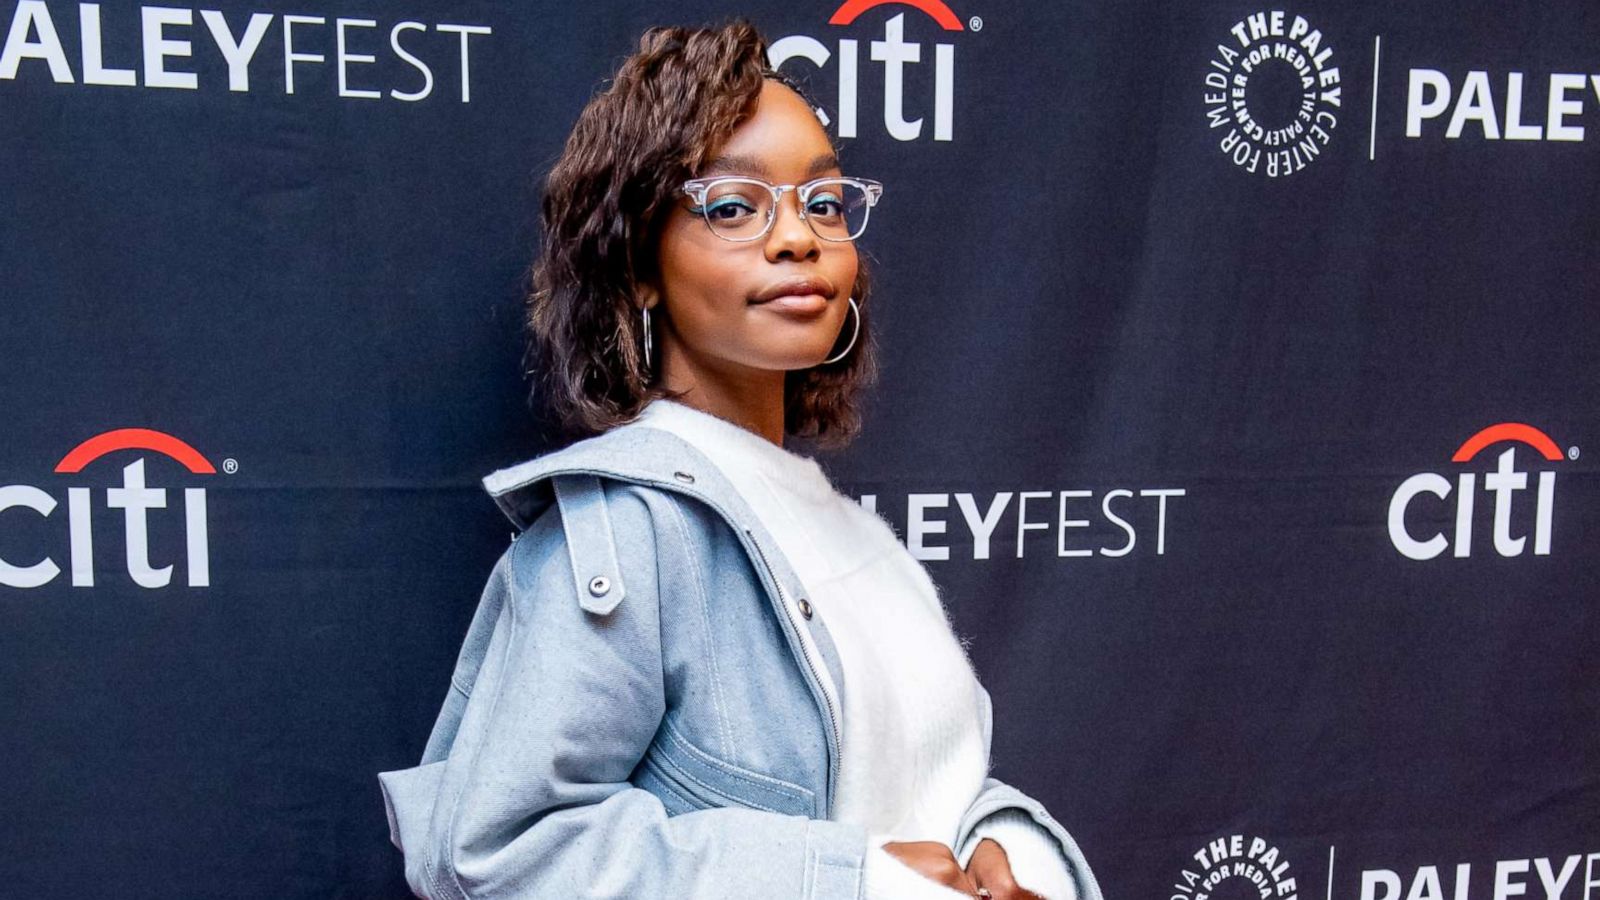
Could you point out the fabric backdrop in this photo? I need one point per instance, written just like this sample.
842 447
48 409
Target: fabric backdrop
1239 391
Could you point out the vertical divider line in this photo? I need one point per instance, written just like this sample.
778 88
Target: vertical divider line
1330 872
1372 128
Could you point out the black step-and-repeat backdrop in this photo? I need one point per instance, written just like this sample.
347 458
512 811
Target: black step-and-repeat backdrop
1240 392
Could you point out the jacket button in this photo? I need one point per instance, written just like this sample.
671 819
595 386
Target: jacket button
805 607
598 585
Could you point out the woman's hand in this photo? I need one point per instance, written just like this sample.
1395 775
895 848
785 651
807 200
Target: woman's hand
990 869
935 861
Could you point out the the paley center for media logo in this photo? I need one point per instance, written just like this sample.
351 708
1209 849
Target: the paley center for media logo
1237 866
1272 93
134 497
1250 867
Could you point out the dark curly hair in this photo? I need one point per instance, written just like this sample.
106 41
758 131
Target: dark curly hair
670 106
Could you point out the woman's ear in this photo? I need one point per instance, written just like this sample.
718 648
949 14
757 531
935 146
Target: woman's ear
647 295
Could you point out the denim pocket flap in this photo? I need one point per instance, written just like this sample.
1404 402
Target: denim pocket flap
721 783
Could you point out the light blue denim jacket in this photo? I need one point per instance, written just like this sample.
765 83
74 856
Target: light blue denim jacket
633 713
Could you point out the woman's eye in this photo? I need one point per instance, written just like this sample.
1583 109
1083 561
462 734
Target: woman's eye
729 209
826 205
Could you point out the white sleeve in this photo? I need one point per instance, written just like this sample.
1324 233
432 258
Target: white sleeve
1034 854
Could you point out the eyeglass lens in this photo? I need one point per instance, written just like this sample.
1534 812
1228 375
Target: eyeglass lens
740 210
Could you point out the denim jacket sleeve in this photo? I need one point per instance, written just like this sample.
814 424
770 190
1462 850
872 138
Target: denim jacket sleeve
997 796
531 798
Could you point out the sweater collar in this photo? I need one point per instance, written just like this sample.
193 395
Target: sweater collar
733 446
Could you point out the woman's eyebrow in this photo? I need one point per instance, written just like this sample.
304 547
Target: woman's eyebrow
744 165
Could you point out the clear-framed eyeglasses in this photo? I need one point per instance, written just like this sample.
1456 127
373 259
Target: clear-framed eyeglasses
742 208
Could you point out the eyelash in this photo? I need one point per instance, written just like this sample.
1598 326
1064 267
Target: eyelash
701 210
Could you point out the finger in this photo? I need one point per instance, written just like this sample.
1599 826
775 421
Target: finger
993 873
986 890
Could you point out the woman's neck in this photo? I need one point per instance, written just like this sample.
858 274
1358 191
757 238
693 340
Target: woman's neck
749 398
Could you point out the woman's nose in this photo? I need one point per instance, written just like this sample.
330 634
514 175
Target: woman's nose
791 235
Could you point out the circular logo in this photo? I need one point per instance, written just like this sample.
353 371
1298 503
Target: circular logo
1235 867
1272 93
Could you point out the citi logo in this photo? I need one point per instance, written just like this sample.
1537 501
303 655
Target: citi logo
1504 482
134 498
895 53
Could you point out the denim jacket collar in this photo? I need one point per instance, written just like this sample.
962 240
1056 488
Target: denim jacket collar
652 456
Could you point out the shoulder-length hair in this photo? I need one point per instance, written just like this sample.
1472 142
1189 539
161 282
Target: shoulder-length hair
669 107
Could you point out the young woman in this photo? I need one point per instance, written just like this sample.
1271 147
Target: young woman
648 702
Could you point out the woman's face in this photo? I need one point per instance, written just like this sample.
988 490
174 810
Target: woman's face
716 327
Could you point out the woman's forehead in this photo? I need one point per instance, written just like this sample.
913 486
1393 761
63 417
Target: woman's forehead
767 165
782 136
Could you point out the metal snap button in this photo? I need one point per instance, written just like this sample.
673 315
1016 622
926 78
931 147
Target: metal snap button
598 585
805 607
684 477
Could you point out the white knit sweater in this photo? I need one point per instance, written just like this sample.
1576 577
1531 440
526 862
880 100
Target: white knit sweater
914 755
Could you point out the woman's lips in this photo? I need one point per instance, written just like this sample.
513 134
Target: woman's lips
805 305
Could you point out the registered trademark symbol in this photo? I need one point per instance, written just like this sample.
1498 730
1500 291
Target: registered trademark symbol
975 23
1572 452
230 465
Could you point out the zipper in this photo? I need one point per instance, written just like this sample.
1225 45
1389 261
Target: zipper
827 699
